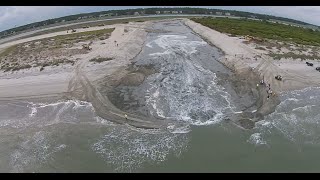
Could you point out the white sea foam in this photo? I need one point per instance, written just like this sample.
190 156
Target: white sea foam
175 43
257 139
297 117
126 150
34 151
33 111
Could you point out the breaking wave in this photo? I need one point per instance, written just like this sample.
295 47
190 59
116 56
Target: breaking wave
124 147
127 150
175 44
297 117
183 89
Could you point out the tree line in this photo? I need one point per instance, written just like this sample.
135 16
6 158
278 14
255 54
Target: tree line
145 11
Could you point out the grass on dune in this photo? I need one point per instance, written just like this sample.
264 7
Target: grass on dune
262 29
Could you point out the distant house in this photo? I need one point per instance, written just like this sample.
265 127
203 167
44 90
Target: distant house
180 12
136 13
227 14
63 20
166 12
79 18
103 15
157 12
174 12
219 13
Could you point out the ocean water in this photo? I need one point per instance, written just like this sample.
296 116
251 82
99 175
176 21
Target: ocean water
68 136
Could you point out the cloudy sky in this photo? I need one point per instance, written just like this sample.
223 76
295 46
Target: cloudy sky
11 16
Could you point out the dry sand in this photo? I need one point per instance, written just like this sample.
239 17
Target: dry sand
79 80
239 57
54 81
65 80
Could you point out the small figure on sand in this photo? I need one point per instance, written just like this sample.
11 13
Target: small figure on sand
125 116
262 82
269 92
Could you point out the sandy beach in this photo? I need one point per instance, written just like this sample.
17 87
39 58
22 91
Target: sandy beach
80 79
54 80
239 56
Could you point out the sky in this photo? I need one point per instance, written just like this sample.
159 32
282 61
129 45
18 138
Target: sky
11 16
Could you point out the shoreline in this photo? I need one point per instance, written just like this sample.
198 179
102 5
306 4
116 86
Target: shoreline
54 80
238 56
245 74
67 81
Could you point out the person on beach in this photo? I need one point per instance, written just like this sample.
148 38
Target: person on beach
125 116
262 82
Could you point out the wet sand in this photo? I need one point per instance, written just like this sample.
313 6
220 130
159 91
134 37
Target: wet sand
55 80
296 75
252 101
56 134
238 57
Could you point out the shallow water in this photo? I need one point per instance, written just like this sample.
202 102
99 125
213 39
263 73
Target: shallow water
67 136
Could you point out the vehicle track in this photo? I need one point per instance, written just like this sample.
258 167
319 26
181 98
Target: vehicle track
81 87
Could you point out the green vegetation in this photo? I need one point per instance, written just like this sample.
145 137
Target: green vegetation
8 51
92 24
99 60
54 62
260 48
16 66
84 36
59 41
293 56
26 55
262 29
143 11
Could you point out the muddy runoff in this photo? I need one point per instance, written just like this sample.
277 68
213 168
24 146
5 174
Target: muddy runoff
177 79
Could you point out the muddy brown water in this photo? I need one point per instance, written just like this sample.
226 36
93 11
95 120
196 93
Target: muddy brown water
182 82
